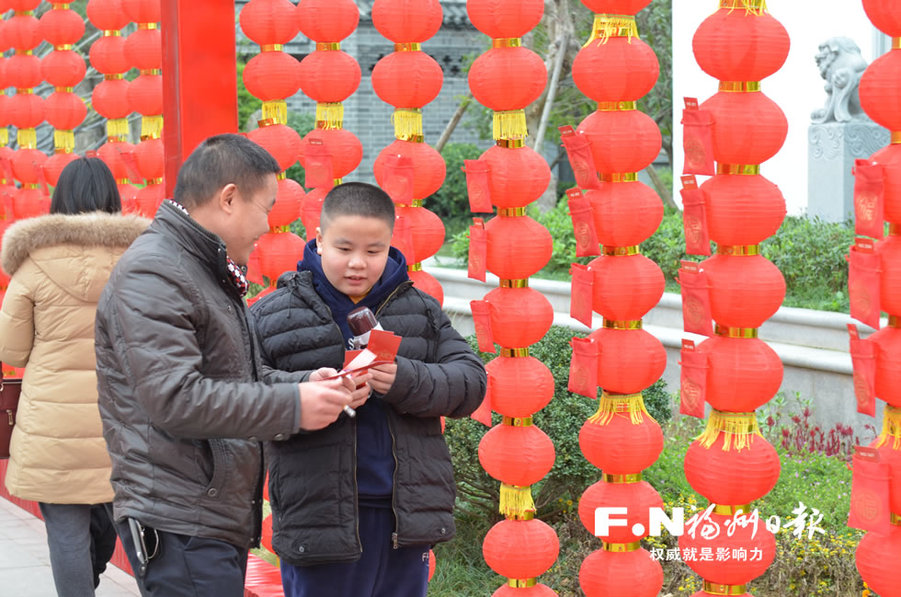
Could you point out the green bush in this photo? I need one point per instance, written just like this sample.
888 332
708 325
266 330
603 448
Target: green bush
451 201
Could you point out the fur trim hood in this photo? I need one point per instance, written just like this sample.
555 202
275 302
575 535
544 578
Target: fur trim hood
98 229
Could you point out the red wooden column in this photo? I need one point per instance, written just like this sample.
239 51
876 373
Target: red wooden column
199 77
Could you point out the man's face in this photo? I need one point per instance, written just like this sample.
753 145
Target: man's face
249 220
354 251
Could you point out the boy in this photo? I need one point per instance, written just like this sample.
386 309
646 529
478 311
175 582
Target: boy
357 505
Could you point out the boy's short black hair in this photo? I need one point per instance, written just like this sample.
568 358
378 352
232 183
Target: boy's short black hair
221 160
357 199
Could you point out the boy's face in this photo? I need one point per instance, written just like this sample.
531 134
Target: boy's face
354 250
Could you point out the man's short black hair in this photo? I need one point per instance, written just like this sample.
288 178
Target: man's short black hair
357 199
221 160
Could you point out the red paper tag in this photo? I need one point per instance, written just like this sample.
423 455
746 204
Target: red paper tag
863 359
863 282
694 217
399 179
350 355
697 139
869 195
483 413
42 179
578 149
583 223
402 239
870 508
383 344
7 170
478 249
477 186
696 314
481 319
131 164
583 368
693 388
581 295
318 168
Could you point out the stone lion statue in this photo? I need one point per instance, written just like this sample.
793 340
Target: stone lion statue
841 65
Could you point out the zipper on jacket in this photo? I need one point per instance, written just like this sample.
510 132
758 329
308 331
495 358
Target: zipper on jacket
394 485
402 286
356 492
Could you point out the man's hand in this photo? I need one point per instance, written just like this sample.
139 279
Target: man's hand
383 377
322 401
322 373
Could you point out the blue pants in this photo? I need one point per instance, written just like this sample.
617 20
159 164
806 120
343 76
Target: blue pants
381 571
81 539
186 566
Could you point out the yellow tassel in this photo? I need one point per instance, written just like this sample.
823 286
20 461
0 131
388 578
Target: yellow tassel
752 7
329 115
516 501
151 127
277 111
611 405
117 129
510 124
407 124
4 137
607 26
64 141
739 430
27 138
891 427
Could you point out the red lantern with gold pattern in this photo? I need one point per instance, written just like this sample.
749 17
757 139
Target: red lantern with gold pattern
343 146
520 548
736 476
428 166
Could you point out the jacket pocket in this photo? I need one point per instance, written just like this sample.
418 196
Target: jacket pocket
213 463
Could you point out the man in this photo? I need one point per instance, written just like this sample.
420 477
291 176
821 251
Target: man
182 410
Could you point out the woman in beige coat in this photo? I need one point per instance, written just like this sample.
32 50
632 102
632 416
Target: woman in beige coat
59 264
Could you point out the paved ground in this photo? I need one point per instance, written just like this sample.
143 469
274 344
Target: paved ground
25 561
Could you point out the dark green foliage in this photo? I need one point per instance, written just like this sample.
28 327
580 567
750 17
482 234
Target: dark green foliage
451 201
303 124
247 104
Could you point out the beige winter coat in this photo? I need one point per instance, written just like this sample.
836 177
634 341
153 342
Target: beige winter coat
59 264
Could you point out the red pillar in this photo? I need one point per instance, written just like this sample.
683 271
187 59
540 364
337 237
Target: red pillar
199 77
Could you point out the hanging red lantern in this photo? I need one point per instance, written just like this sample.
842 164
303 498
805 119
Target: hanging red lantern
280 140
407 79
505 18
743 373
621 140
23 71
629 65
107 55
508 78
149 198
890 281
735 45
107 15
428 166
884 16
516 455
618 7
516 176
890 159
150 157
624 213
342 145
22 5
520 548
269 21
741 209
279 252
519 316
748 128
276 75
621 446
26 110
638 287
142 11
23 32
327 76
638 499
145 95
30 202
110 99
27 164
54 165
64 111
144 49
510 255
519 386
61 27
891 455
733 477
312 207
111 154
538 590
733 571
879 86
605 573
327 21
63 68
404 21
629 360
888 367
288 203
745 290
427 283
426 230
877 559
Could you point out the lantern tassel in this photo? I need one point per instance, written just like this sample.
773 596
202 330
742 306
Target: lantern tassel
510 124
891 427
516 501
607 25
739 430
4 137
407 124
117 129
152 127
277 111
64 141
618 405
329 115
752 7
27 138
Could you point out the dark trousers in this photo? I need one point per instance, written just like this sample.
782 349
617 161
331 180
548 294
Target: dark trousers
381 571
186 566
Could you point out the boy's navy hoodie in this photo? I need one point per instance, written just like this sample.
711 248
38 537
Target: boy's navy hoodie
375 455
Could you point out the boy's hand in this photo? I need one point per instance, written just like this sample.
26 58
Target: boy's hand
383 377
362 390
322 401
322 373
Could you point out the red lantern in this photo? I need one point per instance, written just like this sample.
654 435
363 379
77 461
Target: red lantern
890 287
312 207
266 538
426 230
621 447
427 283
149 198
516 455
745 290
407 20
63 68
621 140
733 571
342 145
327 21
629 361
22 32
618 7
892 457
505 18
519 386
748 128
128 193
144 49
288 202
520 317
733 477
884 16
150 156
27 164
517 247
23 71
268 21
64 111
142 11
625 287
735 45
108 56
741 209
328 76
625 214
107 15
631 573
407 79
276 75
538 590
520 548
22 5
428 166
29 203
110 99
877 560
743 373
507 78
26 110
61 27
279 252
629 65
638 499
145 95
890 158
111 154
888 367
280 140
54 165
516 176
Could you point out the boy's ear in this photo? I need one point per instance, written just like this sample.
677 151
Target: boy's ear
318 240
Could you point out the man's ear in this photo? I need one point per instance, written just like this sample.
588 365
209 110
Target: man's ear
227 196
